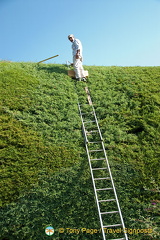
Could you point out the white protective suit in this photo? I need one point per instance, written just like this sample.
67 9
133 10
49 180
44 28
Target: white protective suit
77 63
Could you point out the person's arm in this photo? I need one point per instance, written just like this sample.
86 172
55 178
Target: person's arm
78 48
78 53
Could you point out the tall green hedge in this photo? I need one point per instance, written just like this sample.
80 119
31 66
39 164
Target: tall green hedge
45 178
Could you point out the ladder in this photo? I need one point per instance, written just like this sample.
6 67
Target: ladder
111 220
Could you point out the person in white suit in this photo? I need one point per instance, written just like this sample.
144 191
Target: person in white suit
77 57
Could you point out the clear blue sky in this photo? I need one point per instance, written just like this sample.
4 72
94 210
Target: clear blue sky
113 32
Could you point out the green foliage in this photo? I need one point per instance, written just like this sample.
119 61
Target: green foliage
34 131
24 155
44 169
16 86
58 201
127 104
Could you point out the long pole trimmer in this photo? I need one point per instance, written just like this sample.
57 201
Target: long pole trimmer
48 58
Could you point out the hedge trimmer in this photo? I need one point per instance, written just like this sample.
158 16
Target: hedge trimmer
48 58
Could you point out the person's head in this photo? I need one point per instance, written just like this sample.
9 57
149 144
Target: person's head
71 37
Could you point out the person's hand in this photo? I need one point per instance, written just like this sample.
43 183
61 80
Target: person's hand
77 56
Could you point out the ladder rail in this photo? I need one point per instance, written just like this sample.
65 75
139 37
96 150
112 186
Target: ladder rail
83 127
95 191
97 123
115 193
110 173
92 176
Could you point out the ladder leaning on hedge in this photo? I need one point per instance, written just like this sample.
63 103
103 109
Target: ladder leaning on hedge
111 220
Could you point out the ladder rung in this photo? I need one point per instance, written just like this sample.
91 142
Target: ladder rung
97 159
102 178
115 225
107 200
93 131
103 189
98 150
96 142
109 212
99 168
117 239
89 121
86 113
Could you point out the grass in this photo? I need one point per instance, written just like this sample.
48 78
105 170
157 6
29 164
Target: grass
44 169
